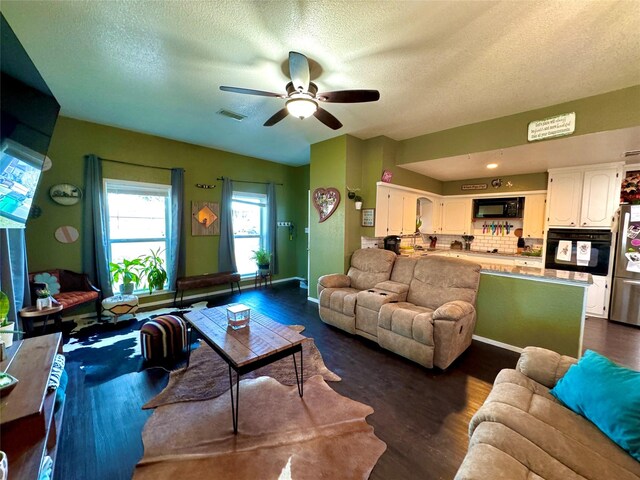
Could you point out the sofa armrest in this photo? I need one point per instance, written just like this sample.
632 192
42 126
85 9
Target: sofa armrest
335 280
544 366
453 311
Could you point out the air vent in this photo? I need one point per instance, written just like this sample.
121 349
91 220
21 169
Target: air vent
631 153
228 113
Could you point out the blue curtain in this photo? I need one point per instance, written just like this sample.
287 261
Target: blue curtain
177 256
226 251
272 226
14 276
95 252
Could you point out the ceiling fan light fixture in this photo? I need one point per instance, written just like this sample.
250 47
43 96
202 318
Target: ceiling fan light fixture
301 107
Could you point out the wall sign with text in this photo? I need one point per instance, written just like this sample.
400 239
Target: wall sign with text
551 127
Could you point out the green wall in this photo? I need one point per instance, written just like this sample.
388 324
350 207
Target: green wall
608 111
526 312
352 216
327 239
72 139
519 183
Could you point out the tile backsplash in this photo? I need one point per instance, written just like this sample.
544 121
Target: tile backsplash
481 243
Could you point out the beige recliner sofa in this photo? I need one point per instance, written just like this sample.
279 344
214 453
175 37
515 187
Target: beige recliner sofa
523 433
422 309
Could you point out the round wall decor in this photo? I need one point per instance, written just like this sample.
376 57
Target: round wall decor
65 194
46 164
66 234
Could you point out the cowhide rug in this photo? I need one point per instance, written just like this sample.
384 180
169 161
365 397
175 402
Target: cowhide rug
280 436
208 374
106 350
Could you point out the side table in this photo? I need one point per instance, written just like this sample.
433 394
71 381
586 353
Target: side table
29 313
120 305
262 277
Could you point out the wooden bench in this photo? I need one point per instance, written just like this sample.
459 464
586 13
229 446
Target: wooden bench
204 281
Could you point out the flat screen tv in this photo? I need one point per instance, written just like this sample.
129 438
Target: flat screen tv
20 169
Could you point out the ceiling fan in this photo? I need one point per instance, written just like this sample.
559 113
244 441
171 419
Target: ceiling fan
303 97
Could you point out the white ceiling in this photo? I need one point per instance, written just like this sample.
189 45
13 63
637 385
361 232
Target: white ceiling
155 67
601 147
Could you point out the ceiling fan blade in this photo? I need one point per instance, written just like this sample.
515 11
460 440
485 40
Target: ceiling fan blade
328 119
349 96
299 71
279 115
248 91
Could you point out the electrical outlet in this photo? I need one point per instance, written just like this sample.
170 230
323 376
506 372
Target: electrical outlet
284 224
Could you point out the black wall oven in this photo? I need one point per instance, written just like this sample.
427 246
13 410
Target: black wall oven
578 250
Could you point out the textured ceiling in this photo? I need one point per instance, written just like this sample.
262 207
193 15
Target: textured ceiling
155 67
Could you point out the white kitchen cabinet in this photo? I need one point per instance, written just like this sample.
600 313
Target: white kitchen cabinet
583 197
456 216
382 211
563 196
600 194
395 212
409 213
396 206
598 296
533 218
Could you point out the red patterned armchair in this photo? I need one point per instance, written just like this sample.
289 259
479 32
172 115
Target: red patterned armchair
70 289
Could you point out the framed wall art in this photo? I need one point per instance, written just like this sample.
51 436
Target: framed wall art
368 217
205 218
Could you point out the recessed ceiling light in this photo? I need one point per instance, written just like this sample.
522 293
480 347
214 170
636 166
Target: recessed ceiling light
492 165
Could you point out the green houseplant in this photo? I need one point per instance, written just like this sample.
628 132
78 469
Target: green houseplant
128 271
6 327
262 259
153 270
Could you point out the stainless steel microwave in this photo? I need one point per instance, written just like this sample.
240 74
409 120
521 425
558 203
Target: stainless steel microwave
498 207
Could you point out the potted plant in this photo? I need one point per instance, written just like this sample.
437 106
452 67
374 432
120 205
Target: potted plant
153 270
44 298
358 200
128 270
263 260
6 327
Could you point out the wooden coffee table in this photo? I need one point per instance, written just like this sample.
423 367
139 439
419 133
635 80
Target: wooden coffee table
260 343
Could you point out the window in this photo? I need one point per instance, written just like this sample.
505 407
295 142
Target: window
249 228
139 219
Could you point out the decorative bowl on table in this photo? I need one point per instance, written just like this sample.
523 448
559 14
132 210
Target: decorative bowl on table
7 383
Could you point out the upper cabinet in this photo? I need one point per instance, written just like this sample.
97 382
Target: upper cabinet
563 196
583 197
456 216
533 218
395 211
600 197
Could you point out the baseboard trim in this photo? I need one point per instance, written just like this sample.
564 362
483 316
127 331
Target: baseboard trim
496 343
203 296
314 300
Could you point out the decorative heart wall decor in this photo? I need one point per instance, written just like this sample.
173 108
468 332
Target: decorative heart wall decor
326 201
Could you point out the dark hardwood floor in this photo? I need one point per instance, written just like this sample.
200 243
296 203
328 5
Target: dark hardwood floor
617 341
421 414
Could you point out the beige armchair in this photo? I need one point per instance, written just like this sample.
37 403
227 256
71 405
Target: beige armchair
435 325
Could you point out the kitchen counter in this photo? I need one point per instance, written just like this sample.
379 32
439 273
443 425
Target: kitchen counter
530 272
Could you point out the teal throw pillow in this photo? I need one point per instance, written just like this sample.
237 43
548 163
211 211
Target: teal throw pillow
606 394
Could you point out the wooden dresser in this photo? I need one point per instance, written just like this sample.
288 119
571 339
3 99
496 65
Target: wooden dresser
29 427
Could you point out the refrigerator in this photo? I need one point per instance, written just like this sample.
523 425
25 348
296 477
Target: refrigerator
625 305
